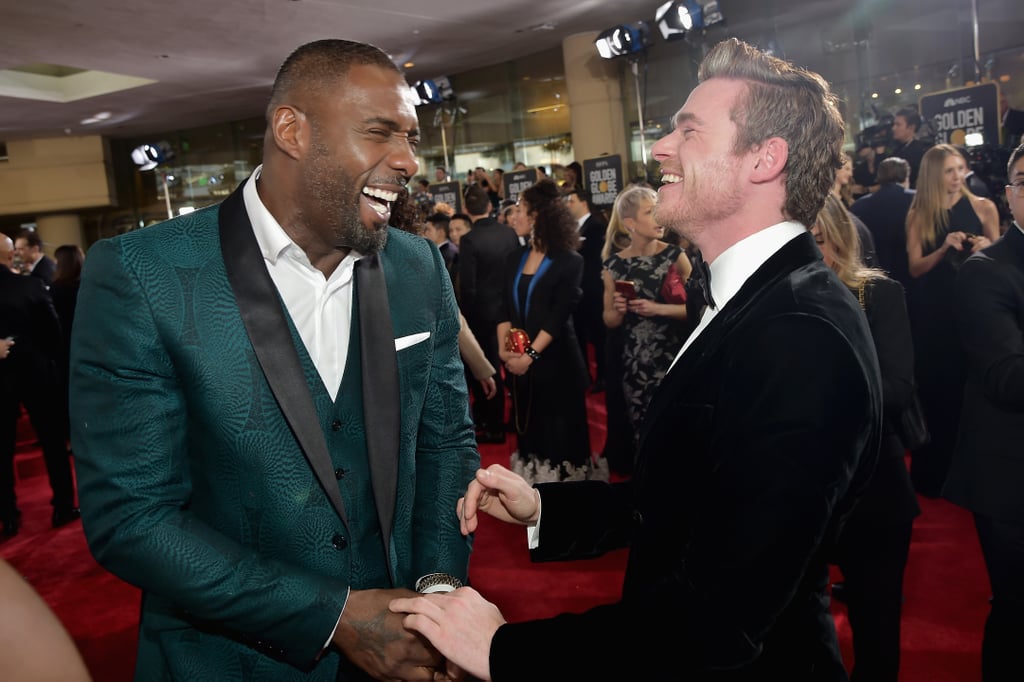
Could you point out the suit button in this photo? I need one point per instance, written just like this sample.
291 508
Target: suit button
339 542
339 473
336 425
638 518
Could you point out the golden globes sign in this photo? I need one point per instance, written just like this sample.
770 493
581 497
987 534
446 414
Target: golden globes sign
964 116
603 179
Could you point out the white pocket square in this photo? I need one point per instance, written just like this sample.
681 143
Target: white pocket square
411 340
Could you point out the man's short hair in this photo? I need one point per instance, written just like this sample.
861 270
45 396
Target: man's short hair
1015 156
476 201
782 100
320 64
440 222
911 116
461 216
893 169
582 194
31 238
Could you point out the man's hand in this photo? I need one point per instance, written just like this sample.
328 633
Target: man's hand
461 624
374 638
502 494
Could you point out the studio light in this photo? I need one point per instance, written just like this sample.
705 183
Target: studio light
621 40
149 156
433 91
426 92
675 18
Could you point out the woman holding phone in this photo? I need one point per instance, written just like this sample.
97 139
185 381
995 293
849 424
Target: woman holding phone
642 293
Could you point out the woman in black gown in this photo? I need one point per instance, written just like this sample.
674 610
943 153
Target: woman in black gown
549 380
946 223
875 541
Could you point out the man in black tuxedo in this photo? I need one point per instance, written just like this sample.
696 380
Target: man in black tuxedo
987 474
29 248
481 267
885 214
28 376
754 445
587 319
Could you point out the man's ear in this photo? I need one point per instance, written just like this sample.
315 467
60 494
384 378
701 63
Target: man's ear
770 160
290 128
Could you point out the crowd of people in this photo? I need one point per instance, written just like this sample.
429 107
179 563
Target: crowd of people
279 456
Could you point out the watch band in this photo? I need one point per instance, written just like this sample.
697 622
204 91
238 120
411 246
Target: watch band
532 353
437 582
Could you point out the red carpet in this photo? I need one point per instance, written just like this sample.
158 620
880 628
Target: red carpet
946 587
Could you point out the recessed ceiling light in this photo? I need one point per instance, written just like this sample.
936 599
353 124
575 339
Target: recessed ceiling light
408 65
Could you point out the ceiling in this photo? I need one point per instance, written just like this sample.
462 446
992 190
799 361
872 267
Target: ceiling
211 61
215 60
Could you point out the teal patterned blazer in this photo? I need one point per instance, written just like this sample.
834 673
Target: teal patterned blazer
216 474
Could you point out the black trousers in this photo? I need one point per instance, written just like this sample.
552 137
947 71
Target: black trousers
43 402
488 415
1002 545
872 555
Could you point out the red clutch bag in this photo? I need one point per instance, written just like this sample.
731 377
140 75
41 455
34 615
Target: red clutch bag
517 341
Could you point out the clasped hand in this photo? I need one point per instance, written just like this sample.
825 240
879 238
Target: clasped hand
461 624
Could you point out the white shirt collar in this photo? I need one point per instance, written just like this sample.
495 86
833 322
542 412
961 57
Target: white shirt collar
582 219
737 263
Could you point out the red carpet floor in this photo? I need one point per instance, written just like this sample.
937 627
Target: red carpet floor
945 608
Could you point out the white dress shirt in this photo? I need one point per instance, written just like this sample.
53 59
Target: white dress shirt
320 308
735 265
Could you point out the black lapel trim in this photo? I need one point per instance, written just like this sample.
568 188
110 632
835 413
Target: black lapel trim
381 403
268 331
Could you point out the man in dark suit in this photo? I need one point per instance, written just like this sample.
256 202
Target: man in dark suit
587 320
29 249
754 444
905 125
28 376
987 474
481 266
885 214
269 414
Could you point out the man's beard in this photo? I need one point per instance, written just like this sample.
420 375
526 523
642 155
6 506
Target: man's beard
709 198
331 189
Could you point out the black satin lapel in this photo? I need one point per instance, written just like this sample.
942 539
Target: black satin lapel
381 405
271 339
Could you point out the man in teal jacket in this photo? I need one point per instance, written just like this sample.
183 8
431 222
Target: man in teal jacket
270 417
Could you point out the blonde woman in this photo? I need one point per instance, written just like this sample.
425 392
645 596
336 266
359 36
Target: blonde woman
875 541
654 326
946 223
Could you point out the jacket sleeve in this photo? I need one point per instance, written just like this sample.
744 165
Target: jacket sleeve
988 306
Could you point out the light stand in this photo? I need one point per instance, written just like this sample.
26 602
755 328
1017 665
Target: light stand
167 195
439 119
634 65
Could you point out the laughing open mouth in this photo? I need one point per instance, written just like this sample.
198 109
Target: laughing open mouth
380 200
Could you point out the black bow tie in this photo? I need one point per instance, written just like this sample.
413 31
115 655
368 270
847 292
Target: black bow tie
702 271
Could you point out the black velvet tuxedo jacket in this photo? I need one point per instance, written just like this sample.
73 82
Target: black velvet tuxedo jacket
750 452
987 475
